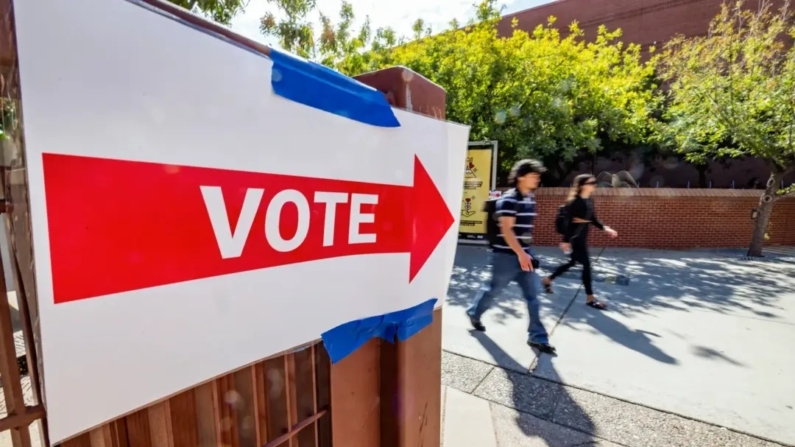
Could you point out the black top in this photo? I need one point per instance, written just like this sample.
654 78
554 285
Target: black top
514 204
581 208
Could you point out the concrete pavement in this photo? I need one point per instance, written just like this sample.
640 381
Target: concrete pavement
697 341
695 351
510 409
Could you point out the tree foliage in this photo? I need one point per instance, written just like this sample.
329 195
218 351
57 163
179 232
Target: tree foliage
339 45
221 11
732 94
8 118
542 94
546 94
295 32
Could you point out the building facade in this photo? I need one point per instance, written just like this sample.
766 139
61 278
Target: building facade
648 23
645 22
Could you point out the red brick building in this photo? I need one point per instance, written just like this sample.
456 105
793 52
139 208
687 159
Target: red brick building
648 22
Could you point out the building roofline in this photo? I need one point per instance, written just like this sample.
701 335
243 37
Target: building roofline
535 8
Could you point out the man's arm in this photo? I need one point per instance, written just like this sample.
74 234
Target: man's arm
506 228
506 212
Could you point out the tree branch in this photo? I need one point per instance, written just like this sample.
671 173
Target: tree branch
786 192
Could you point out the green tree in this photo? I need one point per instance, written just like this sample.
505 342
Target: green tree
732 94
338 46
221 11
539 94
295 32
8 118
4 122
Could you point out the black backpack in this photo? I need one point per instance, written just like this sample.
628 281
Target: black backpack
563 219
492 226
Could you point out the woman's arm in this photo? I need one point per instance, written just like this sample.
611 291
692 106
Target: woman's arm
577 211
611 232
594 220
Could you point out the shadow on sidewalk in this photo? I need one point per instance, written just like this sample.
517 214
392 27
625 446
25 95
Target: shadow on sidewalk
637 340
659 279
542 403
472 271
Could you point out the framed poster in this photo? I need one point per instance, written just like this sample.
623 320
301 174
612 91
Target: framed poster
480 178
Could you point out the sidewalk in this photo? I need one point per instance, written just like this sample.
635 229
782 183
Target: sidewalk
696 342
480 409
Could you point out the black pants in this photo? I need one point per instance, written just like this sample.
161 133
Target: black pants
579 254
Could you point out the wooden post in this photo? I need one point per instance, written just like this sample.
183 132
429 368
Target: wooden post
390 394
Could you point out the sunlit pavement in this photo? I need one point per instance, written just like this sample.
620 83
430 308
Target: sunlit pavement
697 341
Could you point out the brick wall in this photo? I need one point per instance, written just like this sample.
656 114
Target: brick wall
646 22
642 21
671 218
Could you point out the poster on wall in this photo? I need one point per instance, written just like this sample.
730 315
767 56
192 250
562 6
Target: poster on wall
480 178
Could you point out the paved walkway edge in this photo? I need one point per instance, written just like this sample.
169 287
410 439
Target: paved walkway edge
467 421
659 410
606 419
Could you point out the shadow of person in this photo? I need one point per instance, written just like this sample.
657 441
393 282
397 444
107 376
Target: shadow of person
546 410
637 340
471 270
695 280
710 353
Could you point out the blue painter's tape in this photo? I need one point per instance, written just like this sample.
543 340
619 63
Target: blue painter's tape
403 324
311 84
320 87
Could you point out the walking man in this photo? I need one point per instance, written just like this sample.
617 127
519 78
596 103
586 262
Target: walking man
512 258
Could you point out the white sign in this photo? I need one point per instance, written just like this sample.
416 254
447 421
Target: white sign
187 221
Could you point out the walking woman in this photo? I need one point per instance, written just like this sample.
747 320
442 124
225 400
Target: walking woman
575 238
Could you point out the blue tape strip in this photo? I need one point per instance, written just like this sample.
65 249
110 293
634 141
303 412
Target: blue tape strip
403 324
312 84
320 87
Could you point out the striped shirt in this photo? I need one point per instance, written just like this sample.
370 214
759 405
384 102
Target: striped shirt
523 208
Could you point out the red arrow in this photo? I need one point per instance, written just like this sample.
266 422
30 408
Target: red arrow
117 226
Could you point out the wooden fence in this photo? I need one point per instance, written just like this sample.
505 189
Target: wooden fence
282 401
21 410
19 407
